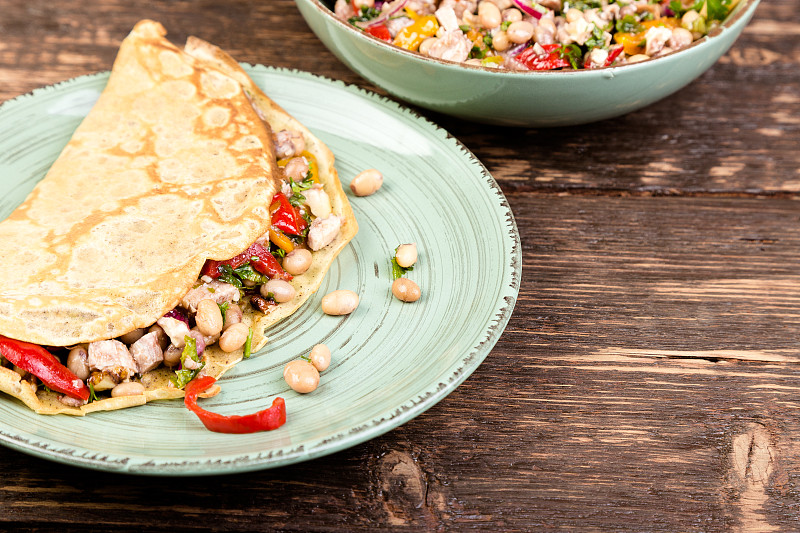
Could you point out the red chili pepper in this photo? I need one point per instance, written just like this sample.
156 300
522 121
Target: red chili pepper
264 262
381 32
44 365
549 59
266 420
285 217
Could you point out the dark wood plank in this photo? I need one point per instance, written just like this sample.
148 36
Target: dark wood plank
638 387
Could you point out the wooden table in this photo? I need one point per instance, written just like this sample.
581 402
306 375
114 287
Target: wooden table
649 378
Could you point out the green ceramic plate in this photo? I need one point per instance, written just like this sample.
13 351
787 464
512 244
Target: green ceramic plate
391 361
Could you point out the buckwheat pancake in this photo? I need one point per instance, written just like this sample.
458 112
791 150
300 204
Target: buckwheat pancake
173 166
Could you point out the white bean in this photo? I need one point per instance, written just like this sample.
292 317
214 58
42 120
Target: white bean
128 388
367 182
489 15
520 31
406 290
406 254
279 290
234 337
208 317
297 261
320 357
76 362
341 302
301 376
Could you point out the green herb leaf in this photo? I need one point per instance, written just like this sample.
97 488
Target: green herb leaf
504 25
247 272
629 23
297 199
184 376
597 40
465 28
92 395
572 53
228 276
248 344
366 13
398 271
223 308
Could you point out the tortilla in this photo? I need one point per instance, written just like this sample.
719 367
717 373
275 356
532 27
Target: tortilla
174 165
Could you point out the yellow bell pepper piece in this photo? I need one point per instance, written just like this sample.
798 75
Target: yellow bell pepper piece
412 36
281 241
633 43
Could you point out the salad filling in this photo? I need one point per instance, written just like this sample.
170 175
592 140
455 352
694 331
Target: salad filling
538 35
212 312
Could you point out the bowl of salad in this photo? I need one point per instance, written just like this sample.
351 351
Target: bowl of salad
530 63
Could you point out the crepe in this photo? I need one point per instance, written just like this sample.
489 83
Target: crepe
173 165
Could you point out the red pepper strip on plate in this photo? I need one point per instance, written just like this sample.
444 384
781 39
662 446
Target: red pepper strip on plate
44 365
285 217
264 262
265 420
549 59
381 32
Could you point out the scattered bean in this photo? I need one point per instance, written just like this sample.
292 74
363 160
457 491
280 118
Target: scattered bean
367 182
127 388
279 290
341 302
208 317
234 337
406 254
406 290
297 261
301 376
76 362
320 357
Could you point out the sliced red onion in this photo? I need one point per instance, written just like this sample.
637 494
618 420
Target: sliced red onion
392 9
199 340
512 52
531 8
178 314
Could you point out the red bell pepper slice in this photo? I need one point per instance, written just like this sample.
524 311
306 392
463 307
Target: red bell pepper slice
285 217
381 32
44 365
264 262
548 59
265 420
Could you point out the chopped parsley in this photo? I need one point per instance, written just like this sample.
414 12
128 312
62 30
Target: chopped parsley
629 24
572 53
504 26
223 308
366 14
297 199
92 394
237 276
183 376
465 28
597 40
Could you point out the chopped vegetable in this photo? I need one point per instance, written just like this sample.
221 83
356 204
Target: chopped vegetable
543 57
266 420
248 344
44 365
183 376
397 270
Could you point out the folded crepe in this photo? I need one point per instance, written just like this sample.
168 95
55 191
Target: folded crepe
174 165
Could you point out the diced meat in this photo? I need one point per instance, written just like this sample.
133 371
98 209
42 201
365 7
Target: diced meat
288 144
175 329
147 353
215 290
111 356
656 37
70 401
322 231
318 201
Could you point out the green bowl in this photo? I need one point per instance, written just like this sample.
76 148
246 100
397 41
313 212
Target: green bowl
556 98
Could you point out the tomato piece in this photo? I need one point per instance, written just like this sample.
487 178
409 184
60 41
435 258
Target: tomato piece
381 32
548 58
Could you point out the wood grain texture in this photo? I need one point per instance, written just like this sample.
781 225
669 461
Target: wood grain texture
648 380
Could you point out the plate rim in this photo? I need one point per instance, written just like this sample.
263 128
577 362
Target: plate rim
355 434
